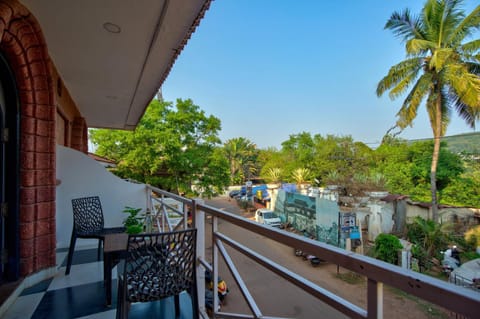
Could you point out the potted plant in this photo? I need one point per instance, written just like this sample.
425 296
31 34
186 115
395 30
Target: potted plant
133 223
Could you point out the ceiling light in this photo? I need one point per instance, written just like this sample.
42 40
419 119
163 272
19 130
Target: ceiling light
112 27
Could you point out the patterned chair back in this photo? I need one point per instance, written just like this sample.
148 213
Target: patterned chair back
160 265
87 215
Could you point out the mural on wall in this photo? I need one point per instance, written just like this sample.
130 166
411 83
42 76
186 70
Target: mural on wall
316 217
327 221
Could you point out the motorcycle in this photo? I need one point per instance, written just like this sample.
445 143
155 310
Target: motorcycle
451 260
222 288
314 260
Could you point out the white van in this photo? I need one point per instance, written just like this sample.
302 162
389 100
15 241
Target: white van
267 217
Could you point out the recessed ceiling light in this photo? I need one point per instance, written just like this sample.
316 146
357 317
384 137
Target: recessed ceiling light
112 27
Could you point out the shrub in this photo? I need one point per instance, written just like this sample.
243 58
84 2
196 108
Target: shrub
386 248
133 222
472 237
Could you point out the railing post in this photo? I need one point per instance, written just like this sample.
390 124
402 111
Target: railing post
199 220
374 299
214 266
148 192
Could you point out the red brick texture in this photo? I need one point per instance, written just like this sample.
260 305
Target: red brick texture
22 43
80 135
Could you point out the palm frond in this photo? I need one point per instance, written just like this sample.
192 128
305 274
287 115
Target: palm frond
451 18
398 72
471 48
467 113
440 58
301 175
405 25
466 27
404 84
473 68
409 109
444 112
465 84
418 47
430 18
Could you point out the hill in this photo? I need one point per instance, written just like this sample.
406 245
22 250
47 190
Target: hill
468 143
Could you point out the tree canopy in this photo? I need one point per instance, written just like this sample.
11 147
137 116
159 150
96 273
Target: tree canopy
397 166
174 147
242 155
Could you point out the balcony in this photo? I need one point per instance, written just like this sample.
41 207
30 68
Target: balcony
265 278
251 258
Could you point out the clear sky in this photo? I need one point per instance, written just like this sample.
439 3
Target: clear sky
271 68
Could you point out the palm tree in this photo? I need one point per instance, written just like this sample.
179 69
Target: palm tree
241 153
274 174
301 175
441 67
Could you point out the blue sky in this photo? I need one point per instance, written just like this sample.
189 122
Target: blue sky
271 68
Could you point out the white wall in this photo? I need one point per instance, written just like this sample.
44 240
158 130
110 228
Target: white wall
81 176
380 219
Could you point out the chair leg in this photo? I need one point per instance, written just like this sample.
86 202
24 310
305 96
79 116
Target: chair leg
177 306
120 301
99 249
71 249
194 297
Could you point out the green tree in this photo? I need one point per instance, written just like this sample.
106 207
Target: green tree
272 165
450 166
393 162
406 168
429 239
301 175
173 147
386 248
442 68
241 154
274 174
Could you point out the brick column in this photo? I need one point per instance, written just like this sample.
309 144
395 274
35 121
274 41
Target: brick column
23 44
79 139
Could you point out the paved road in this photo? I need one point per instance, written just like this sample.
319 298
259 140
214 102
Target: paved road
274 295
277 297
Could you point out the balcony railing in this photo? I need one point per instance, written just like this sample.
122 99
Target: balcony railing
458 300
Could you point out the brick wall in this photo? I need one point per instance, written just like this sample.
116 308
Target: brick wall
79 139
23 44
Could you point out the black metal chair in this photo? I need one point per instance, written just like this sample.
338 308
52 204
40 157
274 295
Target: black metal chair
88 222
158 266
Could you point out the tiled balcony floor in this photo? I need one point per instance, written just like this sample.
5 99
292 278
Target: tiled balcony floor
82 295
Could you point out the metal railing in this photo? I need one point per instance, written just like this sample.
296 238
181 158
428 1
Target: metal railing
456 299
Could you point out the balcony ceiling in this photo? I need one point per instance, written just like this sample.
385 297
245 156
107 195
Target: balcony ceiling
112 55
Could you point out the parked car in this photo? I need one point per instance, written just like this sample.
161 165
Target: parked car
267 217
235 193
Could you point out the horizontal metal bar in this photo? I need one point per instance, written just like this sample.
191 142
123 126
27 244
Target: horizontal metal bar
457 299
171 195
242 316
233 315
163 204
326 296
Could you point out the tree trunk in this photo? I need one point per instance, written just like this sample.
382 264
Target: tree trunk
437 133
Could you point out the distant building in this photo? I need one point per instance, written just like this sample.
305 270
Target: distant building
103 161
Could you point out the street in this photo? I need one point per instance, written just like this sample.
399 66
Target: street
277 297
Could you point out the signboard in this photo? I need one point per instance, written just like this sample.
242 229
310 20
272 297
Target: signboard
347 221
